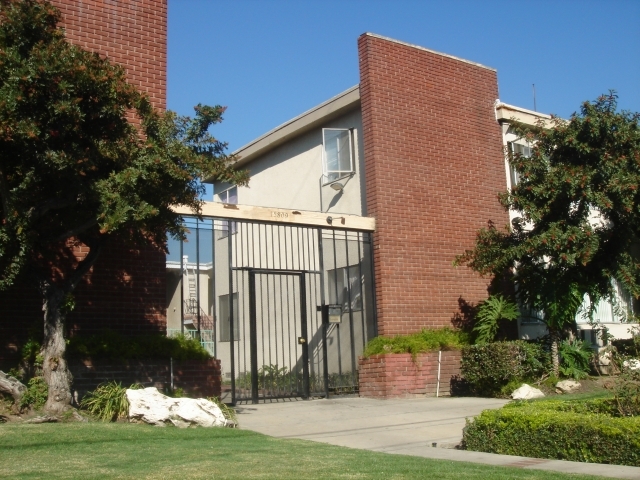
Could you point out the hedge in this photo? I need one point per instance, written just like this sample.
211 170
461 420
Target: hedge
427 340
539 430
490 367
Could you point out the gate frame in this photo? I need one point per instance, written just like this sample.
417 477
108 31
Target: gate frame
285 217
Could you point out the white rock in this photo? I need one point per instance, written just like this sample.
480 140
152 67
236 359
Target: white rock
567 386
150 406
526 392
633 364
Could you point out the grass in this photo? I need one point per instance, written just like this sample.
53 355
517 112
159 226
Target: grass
116 450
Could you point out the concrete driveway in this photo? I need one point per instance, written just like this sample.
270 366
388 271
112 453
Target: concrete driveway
410 426
392 426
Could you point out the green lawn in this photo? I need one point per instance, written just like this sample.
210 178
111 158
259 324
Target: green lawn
100 450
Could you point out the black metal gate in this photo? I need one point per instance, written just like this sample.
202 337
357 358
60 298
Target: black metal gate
267 287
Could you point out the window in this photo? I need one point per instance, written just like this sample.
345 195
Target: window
337 158
517 148
229 196
342 282
224 318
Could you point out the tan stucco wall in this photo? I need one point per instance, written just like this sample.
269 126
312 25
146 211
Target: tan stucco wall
290 176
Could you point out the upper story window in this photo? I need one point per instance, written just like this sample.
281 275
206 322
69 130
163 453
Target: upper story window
517 148
229 196
337 155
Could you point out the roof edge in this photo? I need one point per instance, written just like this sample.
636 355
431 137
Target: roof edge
453 57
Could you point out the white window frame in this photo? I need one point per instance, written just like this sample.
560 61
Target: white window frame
340 173
224 224
514 176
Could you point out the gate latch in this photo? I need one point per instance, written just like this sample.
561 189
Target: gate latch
302 340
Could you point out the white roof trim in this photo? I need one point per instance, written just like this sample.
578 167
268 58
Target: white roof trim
375 35
508 113
297 125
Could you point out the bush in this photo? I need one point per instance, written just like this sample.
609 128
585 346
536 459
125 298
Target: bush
575 359
553 430
491 367
36 395
108 402
113 345
421 342
490 313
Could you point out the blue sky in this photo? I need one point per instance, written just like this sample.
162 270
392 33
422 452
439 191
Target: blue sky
270 60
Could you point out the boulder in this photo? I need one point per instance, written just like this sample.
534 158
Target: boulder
526 392
150 406
567 386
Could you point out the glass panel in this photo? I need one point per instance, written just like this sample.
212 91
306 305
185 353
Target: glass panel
337 153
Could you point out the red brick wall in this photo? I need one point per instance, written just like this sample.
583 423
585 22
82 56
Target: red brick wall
127 290
198 378
395 375
132 33
433 167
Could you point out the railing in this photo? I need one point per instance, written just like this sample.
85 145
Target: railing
205 337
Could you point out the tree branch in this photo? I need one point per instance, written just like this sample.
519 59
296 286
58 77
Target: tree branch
53 204
85 265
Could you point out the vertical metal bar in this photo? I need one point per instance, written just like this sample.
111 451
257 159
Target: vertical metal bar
372 266
214 303
362 300
335 277
254 337
325 361
304 334
198 277
351 332
231 319
182 286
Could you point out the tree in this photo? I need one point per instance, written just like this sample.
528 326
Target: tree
74 171
578 202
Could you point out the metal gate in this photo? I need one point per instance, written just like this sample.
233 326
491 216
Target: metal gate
267 287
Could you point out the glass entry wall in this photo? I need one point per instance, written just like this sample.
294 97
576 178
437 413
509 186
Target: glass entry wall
258 294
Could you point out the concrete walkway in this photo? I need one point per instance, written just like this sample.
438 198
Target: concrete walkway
403 426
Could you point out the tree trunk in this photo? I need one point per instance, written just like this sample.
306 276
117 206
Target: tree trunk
54 368
555 357
13 387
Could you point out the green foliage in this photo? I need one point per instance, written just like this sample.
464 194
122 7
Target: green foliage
228 412
108 402
36 395
73 165
577 168
490 313
427 340
577 431
575 358
491 369
626 391
112 345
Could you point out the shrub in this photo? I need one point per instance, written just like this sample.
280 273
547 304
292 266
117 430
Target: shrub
36 394
575 359
108 401
490 313
540 429
489 368
421 342
113 345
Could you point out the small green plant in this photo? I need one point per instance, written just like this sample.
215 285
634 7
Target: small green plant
228 412
575 358
427 340
626 391
36 395
108 402
490 313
